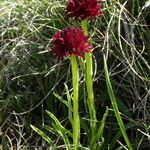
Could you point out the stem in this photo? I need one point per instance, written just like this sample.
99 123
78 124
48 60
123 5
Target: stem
89 83
115 107
76 121
84 25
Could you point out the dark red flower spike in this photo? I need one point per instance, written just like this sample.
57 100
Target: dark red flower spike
83 9
70 41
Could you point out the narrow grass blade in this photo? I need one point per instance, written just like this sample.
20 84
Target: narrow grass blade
117 136
61 99
69 105
99 132
64 137
43 135
115 107
50 129
100 145
85 127
61 128
57 132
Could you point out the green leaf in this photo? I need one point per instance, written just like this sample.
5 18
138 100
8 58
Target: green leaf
118 135
64 136
123 107
85 127
100 144
99 132
50 129
61 99
43 135
61 128
115 106
69 104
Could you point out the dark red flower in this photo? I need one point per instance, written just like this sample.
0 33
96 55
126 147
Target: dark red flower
82 9
70 41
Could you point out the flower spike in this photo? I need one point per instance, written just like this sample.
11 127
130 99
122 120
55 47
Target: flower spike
70 41
83 9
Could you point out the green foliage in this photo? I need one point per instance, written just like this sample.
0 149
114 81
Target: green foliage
43 135
98 135
114 105
33 80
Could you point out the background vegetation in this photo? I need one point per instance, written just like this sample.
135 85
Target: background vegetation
31 77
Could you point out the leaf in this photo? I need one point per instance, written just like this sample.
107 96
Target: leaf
118 135
69 104
61 99
100 144
85 127
123 107
61 128
50 129
100 130
115 106
43 135
64 137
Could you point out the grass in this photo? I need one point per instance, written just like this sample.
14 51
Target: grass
33 80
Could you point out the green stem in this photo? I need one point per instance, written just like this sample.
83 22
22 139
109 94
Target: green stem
76 121
84 25
115 107
89 83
